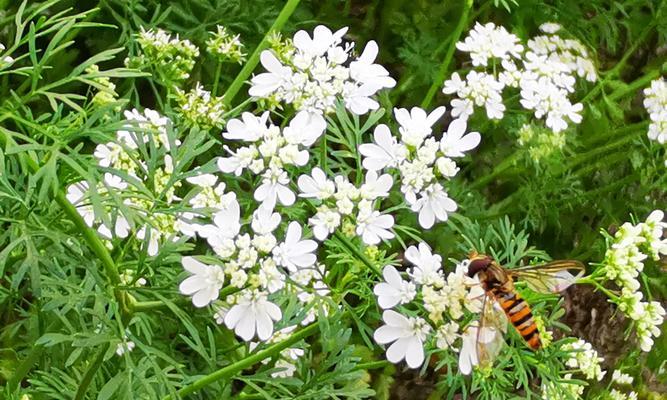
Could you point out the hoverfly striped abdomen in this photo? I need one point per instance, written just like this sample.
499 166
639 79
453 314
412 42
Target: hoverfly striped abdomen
519 314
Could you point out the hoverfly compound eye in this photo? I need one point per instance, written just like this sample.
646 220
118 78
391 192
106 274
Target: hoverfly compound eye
478 264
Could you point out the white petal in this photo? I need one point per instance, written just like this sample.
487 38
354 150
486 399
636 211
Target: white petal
415 353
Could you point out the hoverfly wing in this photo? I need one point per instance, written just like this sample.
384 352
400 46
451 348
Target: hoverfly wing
490 332
552 277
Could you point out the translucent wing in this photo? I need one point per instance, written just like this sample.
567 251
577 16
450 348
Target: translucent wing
552 277
492 327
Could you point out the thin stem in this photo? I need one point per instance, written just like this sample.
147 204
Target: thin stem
504 165
598 286
246 362
250 65
444 67
354 249
218 71
90 373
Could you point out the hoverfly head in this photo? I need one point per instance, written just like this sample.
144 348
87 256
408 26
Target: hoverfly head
478 262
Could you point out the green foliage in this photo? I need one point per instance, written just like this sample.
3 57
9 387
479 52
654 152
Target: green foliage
525 197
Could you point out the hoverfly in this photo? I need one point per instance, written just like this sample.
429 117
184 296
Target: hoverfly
498 285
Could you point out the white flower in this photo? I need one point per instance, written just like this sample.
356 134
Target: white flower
394 290
468 357
295 253
264 220
373 227
324 222
621 378
376 186
585 358
427 266
124 347
433 205
268 82
655 102
251 129
488 41
385 152
455 142
365 72
275 187
76 194
253 314
316 185
447 335
416 125
304 129
550 27
205 281
407 335
321 41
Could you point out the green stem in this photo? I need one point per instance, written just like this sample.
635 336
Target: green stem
598 286
90 373
354 249
372 365
444 67
504 165
619 66
246 362
250 65
216 79
24 367
634 85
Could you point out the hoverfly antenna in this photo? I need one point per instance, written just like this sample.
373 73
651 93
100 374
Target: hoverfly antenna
480 263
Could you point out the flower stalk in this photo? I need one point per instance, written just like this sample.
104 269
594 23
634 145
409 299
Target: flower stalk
444 67
250 65
231 370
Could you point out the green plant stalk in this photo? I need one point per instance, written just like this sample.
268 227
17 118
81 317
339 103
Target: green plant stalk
619 66
91 371
246 362
634 85
24 367
444 67
346 242
216 79
252 62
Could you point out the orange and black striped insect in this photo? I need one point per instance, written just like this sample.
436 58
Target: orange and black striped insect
498 285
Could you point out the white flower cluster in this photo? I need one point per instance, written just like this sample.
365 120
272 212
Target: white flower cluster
254 263
544 72
317 71
441 299
562 391
624 261
421 159
125 161
340 199
200 108
621 379
225 46
170 57
584 358
655 101
271 150
124 346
